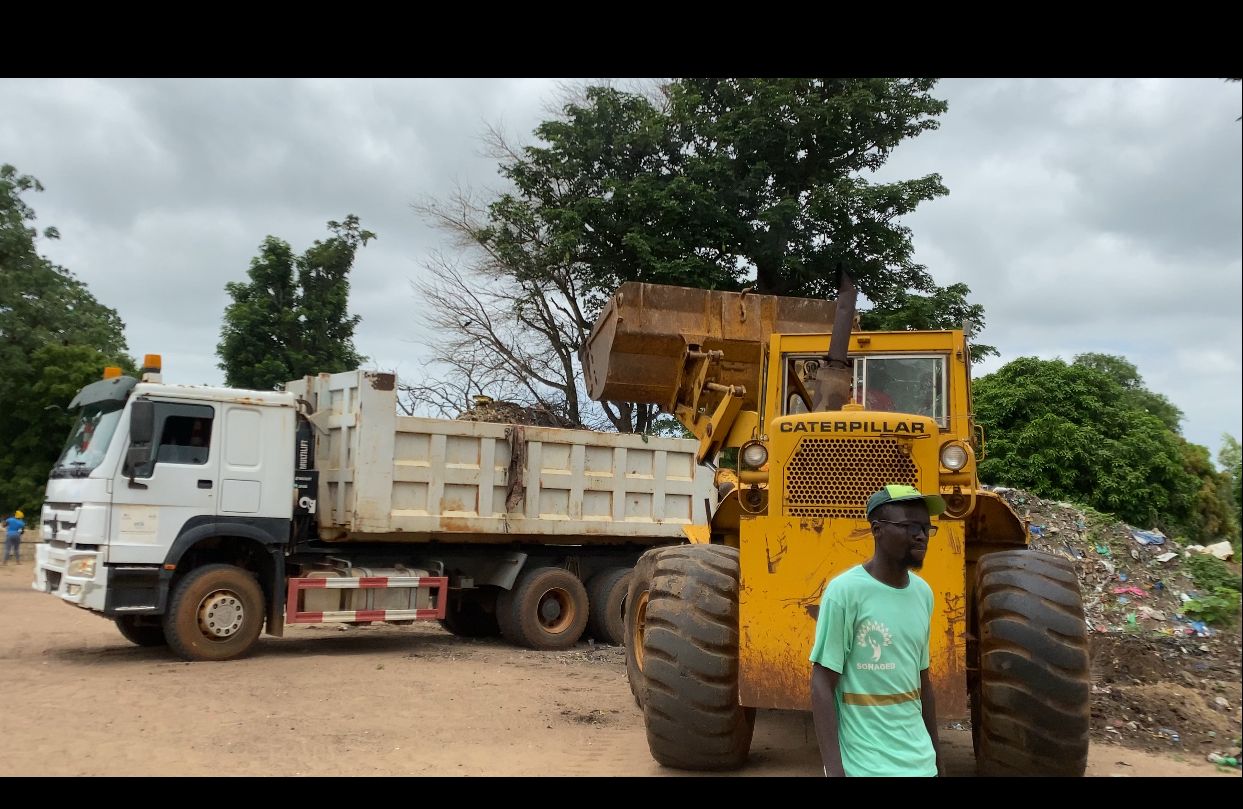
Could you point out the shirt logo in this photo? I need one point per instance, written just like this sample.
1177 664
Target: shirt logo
875 635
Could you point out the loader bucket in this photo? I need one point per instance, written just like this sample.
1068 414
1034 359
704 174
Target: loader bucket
637 348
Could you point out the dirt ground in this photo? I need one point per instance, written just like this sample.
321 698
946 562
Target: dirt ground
399 701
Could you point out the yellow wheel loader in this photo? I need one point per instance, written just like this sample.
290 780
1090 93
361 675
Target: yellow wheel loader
822 415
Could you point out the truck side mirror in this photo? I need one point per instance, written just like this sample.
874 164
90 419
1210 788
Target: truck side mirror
141 421
141 431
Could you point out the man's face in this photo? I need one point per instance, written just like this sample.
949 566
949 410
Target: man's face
905 543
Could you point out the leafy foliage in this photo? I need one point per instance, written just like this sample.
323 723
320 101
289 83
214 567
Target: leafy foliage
944 308
292 317
1210 573
1221 606
55 337
1075 431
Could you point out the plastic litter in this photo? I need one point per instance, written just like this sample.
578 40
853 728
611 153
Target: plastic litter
1148 537
1103 550
1170 734
1218 758
1135 591
1165 557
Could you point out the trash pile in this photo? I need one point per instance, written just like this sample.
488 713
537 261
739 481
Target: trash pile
1161 679
501 412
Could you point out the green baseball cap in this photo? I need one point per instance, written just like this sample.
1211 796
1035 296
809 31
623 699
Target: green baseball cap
896 493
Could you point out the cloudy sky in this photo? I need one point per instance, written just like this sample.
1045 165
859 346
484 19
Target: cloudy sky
1085 214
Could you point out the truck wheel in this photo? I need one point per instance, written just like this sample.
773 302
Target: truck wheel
690 654
1032 703
215 614
141 630
546 609
636 622
606 604
468 616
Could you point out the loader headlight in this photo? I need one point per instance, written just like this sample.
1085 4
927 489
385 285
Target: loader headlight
753 455
82 567
954 456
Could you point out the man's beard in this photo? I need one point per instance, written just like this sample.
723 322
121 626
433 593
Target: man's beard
911 563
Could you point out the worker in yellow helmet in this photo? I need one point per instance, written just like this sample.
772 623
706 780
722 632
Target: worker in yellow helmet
13 527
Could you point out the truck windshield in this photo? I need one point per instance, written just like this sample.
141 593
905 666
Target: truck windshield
89 439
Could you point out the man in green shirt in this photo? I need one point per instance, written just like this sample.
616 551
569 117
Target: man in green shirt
871 697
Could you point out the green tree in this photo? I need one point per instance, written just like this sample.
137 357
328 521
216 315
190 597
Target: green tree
1230 457
292 317
55 337
945 308
705 184
1127 376
1074 431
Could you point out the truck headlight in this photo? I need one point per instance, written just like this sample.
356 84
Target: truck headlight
954 456
753 454
82 567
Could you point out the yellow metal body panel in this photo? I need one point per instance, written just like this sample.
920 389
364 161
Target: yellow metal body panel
822 467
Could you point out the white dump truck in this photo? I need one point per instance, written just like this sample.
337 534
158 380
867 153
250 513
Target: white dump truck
198 517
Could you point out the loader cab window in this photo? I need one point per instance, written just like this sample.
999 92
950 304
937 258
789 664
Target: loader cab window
184 436
891 383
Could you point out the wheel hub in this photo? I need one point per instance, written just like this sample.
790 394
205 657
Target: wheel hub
556 612
221 614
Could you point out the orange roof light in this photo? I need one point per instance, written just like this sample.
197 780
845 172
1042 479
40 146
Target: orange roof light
112 371
151 362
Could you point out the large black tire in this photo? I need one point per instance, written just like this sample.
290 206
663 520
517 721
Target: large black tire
141 630
472 615
606 604
546 609
637 594
690 654
215 613
1031 704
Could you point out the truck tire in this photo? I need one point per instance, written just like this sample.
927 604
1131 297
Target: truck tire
546 609
141 630
606 604
468 616
690 652
215 613
636 622
1031 702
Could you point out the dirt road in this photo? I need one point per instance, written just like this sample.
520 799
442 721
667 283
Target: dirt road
366 701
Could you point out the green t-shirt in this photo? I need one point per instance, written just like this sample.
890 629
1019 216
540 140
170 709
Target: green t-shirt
876 637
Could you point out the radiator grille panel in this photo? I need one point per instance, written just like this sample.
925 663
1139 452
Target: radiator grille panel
833 478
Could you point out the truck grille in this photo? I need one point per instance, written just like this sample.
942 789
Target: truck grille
833 478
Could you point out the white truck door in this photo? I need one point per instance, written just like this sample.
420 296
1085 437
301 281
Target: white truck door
178 484
254 445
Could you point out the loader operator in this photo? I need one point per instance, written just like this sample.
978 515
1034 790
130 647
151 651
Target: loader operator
871 696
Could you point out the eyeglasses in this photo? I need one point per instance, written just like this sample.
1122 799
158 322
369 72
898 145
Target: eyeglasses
913 528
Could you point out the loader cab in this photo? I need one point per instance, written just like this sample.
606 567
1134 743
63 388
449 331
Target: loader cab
916 373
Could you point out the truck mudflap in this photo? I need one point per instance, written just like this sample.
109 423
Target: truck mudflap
420 598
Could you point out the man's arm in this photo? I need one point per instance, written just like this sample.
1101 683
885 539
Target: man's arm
824 714
928 699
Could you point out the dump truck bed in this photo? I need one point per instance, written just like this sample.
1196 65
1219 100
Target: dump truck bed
388 477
